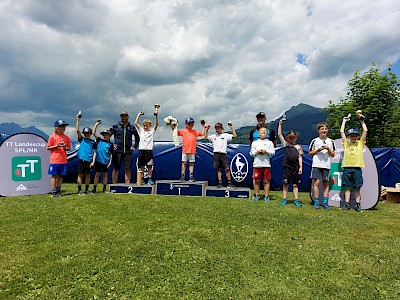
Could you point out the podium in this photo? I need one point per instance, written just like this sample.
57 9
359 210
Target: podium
239 192
123 188
181 188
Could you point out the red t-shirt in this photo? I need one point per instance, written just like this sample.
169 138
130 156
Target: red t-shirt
58 155
189 140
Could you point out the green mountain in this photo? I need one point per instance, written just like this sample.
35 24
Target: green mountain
301 118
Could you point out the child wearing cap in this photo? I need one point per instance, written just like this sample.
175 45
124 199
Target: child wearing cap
353 161
146 144
189 143
220 143
292 164
58 145
321 149
261 150
103 157
86 155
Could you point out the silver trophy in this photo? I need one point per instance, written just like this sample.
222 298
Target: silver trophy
156 107
79 114
360 115
284 117
229 123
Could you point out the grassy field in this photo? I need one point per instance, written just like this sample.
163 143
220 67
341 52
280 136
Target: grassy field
107 246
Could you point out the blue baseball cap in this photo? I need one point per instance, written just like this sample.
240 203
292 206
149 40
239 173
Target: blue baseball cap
87 130
60 123
353 131
189 120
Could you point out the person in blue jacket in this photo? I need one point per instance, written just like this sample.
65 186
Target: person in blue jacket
123 132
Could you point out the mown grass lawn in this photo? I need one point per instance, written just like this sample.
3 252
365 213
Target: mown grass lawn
107 246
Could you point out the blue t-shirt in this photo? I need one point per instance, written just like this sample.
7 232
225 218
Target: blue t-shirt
86 149
104 150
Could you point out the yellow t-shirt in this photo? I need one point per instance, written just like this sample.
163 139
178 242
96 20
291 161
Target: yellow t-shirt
353 154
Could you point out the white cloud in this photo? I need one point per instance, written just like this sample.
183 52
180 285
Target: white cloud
218 60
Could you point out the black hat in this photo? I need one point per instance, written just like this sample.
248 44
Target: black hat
260 115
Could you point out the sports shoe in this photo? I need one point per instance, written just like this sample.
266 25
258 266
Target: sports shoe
88 192
56 195
220 185
105 191
191 178
297 203
346 207
316 205
256 198
358 208
326 206
267 200
150 181
284 202
93 191
81 193
182 177
231 186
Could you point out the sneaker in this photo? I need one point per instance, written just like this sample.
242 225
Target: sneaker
326 206
316 205
93 191
231 186
150 181
182 177
256 198
88 192
105 191
297 203
267 200
358 208
81 193
284 202
220 185
346 207
56 195
191 179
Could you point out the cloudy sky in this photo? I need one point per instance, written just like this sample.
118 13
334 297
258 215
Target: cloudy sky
214 59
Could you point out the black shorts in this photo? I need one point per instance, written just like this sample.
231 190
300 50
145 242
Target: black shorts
220 161
84 167
145 158
291 174
119 157
99 167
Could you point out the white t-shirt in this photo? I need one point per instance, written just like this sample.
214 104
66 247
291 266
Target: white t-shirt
220 141
321 159
261 160
146 139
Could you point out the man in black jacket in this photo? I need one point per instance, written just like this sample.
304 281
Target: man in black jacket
123 148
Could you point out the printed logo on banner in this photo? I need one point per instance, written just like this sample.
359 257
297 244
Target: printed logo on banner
336 172
239 167
26 168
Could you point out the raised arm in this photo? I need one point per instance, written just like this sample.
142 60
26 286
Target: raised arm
95 128
365 130
280 135
233 130
342 134
137 119
156 124
78 131
206 133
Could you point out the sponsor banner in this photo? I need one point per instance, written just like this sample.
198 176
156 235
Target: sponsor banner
24 161
369 191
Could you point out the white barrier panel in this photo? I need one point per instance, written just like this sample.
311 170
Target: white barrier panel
24 161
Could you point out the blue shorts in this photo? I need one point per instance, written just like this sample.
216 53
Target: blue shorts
57 169
352 178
